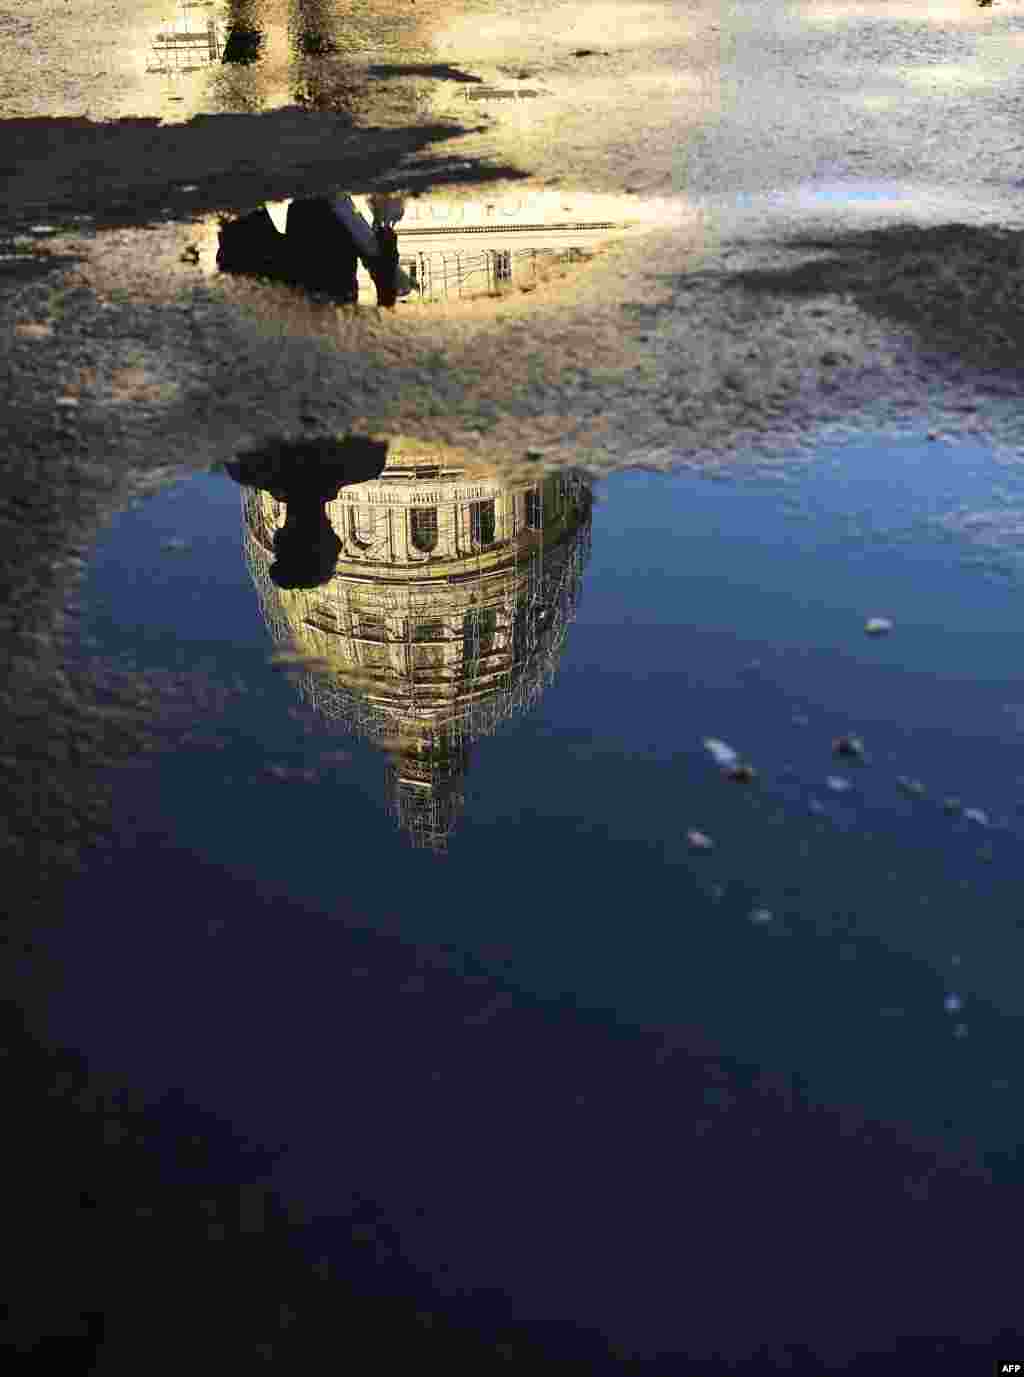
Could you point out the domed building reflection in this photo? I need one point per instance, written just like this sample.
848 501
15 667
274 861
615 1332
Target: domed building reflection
445 614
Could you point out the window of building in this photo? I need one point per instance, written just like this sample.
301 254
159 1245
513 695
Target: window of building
361 524
428 645
481 522
534 509
502 261
372 627
372 633
423 528
478 628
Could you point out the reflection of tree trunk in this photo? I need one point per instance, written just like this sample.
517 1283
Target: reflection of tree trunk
313 23
279 52
320 80
253 74
244 33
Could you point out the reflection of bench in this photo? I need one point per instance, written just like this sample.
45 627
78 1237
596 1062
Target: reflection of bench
496 93
182 46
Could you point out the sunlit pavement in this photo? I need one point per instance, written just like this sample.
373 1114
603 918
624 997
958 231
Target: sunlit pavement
772 244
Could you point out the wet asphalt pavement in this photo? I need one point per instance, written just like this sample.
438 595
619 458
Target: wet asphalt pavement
512 1022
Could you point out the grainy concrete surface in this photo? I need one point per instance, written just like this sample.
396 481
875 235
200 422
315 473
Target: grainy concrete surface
755 323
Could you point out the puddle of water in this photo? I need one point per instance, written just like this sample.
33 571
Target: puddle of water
463 243
495 743
838 191
708 610
867 200
203 56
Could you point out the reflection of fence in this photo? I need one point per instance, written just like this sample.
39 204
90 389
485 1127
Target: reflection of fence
436 276
186 50
497 93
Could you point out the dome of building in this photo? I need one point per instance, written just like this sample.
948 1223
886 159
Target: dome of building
445 615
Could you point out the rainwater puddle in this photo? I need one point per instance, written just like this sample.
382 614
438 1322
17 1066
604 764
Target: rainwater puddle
841 192
462 243
499 754
597 665
864 201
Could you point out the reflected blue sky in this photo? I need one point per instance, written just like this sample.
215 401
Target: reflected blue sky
729 609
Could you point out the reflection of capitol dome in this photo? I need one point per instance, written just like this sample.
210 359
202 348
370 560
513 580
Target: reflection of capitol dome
446 614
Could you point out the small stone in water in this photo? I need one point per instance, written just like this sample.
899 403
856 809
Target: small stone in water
742 774
175 545
699 841
33 329
877 626
977 815
911 786
721 753
761 915
852 747
952 1004
837 784
952 806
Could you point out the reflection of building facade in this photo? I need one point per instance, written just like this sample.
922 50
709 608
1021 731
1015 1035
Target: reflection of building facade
446 615
470 245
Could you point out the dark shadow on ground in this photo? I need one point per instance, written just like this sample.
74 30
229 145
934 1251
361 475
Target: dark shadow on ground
440 71
146 1232
154 1228
26 265
959 288
135 171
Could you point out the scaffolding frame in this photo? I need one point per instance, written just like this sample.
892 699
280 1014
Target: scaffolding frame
182 46
442 275
412 711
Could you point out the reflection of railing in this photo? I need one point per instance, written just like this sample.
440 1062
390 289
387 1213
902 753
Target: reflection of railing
498 93
176 51
436 276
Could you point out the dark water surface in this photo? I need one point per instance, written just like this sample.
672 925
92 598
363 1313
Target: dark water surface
621 1081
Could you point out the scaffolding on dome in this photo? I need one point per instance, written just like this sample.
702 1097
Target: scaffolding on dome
442 673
